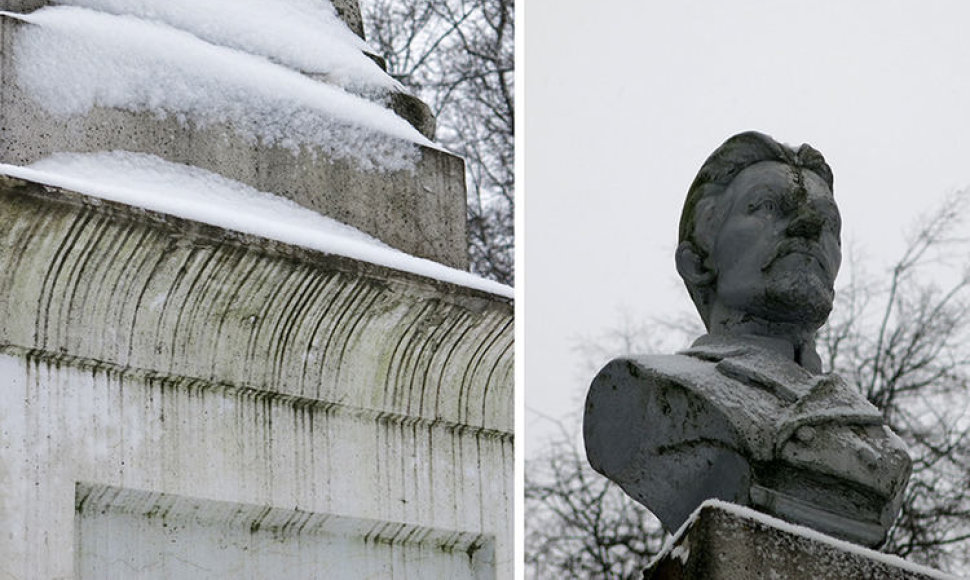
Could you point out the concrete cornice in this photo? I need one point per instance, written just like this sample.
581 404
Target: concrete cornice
89 280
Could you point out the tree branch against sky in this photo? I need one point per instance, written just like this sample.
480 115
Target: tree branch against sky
904 341
580 524
458 56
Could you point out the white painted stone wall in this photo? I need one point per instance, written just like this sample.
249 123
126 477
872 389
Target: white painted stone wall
418 490
150 535
125 429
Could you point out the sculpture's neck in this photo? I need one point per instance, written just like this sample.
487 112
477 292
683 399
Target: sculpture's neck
788 340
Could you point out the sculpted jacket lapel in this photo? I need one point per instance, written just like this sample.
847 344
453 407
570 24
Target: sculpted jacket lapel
804 398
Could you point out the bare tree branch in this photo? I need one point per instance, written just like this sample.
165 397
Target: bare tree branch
458 56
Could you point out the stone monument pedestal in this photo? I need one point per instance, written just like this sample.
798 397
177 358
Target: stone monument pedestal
726 541
190 396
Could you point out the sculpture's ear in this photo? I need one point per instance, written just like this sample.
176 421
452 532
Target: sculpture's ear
691 266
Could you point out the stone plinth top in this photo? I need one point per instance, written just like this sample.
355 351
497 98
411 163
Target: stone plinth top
228 107
727 541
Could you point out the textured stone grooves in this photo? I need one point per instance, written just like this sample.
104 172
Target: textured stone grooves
485 363
99 280
190 438
401 356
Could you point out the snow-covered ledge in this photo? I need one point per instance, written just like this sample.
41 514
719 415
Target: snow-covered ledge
275 94
149 292
724 541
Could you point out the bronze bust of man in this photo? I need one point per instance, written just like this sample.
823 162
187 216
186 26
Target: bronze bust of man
746 415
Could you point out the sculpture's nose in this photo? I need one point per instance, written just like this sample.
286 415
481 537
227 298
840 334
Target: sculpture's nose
808 224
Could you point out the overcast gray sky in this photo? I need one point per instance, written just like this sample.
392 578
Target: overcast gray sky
624 99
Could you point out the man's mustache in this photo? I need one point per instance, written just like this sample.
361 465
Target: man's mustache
790 246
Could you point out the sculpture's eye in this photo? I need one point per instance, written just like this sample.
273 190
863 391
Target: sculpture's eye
764 206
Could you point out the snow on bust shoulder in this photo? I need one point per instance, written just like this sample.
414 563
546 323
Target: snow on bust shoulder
193 193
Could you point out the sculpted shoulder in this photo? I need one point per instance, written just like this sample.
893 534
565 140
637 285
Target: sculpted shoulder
651 426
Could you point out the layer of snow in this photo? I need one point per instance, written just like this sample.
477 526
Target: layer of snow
303 34
808 533
682 553
189 192
74 59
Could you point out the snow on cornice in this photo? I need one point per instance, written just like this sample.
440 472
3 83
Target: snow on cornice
192 193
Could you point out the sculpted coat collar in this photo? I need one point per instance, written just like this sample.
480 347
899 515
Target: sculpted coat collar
805 356
805 398
820 427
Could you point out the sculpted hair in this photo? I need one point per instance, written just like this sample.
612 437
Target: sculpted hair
718 171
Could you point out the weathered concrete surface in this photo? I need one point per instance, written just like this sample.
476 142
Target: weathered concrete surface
142 290
73 422
729 543
167 536
153 355
23 5
349 12
419 211
414 111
